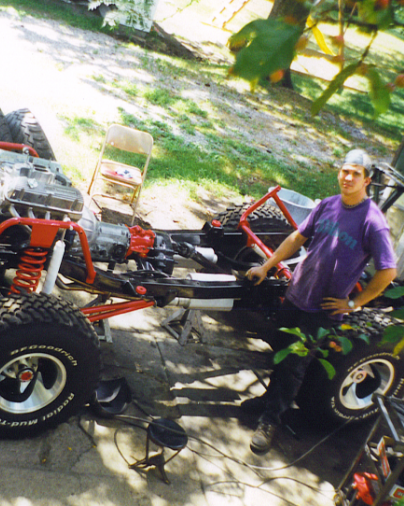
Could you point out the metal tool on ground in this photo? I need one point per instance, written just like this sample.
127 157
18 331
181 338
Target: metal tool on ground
376 476
164 433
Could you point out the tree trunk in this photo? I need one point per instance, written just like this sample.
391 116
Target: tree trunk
297 12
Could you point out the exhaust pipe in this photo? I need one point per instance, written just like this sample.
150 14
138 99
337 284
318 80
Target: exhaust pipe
206 304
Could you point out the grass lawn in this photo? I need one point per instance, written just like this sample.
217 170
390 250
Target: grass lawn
210 131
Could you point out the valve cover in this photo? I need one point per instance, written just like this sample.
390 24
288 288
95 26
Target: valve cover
37 188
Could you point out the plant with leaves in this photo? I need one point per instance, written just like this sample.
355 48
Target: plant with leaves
395 333
266 48
320 345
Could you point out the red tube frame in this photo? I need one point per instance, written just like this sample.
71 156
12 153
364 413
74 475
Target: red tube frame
44 233
96 313
12 146
253 239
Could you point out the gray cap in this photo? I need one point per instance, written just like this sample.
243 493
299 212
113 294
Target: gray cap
358 157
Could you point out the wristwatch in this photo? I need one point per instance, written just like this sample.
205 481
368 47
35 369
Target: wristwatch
351 304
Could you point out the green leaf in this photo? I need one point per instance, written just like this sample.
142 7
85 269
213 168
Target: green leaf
295 331
281 355
325 353
322 333
364 337
345 343
395 293
346 326
270 47
333 87
398 313
328 367
392 334
379 94
299 348
398 348
375 14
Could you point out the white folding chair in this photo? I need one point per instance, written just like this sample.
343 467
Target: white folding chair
125 139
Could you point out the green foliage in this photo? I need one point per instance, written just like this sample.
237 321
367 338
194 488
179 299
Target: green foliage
379 94
76 126
318 346
329 368
333 87
221 163
267 45
374 12
394 334
159 96
395 293
55 10
398 313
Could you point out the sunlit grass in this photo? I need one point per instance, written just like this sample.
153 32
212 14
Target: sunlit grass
78 125
224 163
78 18
210 131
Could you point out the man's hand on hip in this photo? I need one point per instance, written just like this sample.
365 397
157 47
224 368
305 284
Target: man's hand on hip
339 306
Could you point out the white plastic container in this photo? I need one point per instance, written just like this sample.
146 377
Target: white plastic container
297 204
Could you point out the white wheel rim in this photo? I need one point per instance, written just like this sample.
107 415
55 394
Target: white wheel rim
373 376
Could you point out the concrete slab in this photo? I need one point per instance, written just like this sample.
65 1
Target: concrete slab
86 461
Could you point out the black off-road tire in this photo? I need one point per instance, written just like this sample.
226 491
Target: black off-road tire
5 134
49 363
262 217
365 370
25 129
266 218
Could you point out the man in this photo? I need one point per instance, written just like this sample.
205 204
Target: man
346 230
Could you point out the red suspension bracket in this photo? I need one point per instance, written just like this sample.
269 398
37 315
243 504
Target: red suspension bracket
96 313
253 239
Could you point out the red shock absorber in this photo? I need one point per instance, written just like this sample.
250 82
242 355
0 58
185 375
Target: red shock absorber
29 270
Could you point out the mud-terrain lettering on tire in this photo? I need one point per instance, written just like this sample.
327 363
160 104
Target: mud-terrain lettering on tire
49 362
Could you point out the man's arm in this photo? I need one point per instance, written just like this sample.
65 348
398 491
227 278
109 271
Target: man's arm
377 284
286 249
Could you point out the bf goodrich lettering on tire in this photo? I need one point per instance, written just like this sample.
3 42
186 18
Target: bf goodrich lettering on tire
58 350
45 347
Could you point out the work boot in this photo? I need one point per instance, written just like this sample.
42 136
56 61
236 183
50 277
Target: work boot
262 438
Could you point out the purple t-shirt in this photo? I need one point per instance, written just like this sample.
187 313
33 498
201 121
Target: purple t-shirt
342 242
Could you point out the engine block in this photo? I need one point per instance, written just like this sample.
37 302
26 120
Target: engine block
36 188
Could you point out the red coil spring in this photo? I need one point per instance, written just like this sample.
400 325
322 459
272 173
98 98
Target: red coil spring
29 270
